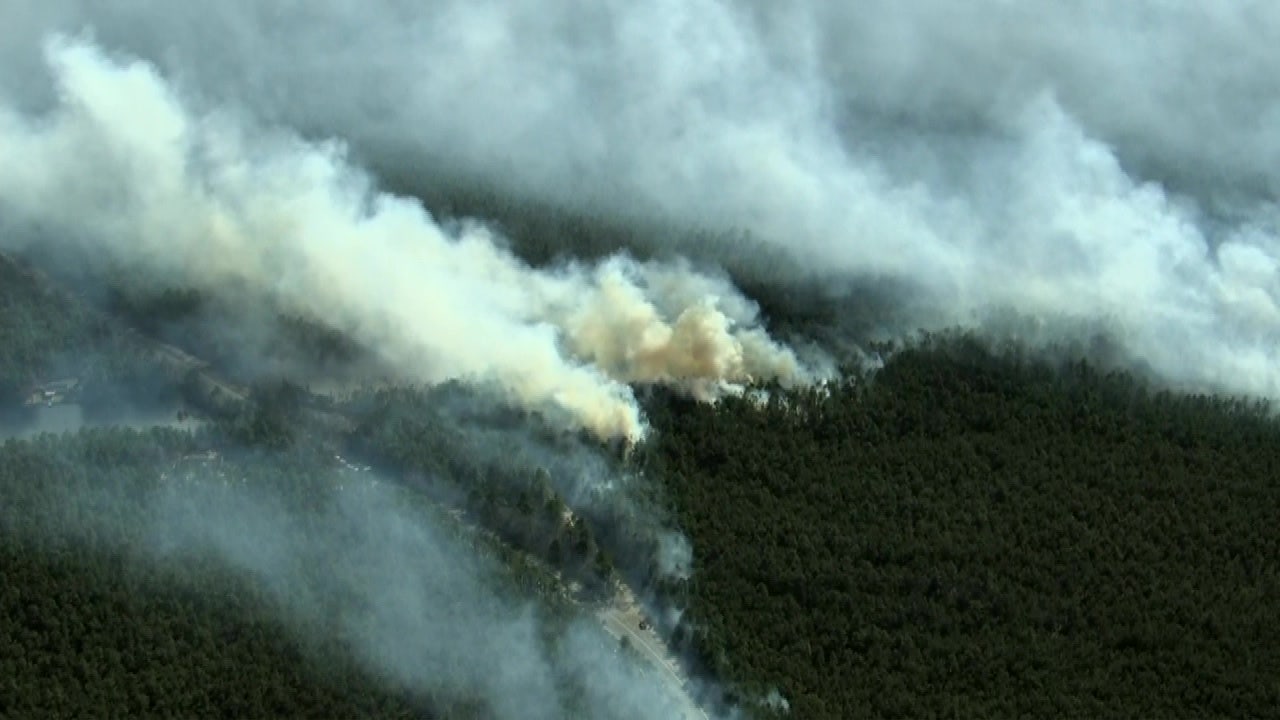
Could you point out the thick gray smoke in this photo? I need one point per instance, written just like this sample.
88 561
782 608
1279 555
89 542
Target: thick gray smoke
121 170
1095 160
1111 162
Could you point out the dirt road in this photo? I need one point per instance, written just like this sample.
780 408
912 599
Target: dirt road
621 619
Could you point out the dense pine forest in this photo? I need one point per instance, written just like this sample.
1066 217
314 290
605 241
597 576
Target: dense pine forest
972 533
968 531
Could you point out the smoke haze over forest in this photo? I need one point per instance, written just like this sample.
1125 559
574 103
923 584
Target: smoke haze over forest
1108 165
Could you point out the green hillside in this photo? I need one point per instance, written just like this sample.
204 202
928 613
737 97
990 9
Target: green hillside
969 534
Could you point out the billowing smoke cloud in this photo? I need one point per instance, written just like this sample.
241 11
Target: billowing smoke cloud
124 170
1099 160
1117 162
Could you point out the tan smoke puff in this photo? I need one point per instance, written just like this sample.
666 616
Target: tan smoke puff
641 333
124 169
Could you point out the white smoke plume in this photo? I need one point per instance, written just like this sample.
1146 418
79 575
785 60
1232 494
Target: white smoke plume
1091 159
775 701
121 167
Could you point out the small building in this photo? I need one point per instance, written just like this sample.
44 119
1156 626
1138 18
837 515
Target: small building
54 392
